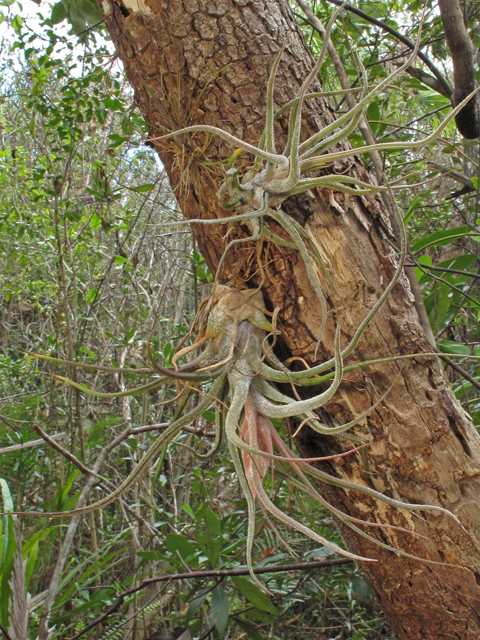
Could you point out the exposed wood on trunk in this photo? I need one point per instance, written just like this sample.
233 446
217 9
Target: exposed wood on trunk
207 61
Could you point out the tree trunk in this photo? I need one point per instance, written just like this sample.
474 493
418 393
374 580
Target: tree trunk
207 62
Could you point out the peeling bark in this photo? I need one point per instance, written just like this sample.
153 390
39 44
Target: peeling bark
208 61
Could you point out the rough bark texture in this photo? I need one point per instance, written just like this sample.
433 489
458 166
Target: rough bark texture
207 61
463 58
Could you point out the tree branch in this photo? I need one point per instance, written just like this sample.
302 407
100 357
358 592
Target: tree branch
297 566
459 177
430 81
32 443
463 58
447 89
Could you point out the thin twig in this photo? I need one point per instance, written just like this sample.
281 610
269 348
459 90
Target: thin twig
459 370
32 443
298 566
437 73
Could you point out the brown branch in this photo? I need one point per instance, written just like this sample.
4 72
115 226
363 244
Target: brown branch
407 124
448 270
223 573
220 573
447 89
69 456
430 81
459 370
463 58
459 177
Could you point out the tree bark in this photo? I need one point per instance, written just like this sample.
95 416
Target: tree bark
207 62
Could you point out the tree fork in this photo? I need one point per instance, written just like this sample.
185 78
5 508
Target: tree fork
208 62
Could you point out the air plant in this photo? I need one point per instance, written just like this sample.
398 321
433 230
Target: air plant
232 373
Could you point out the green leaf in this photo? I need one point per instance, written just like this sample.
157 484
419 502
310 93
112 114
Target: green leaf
67 486
254 595
95 222
188 510
91 295
6 496
373 114
426 260
219 612
461 263
209 531
360 587
249 629
35 539
441 238
17 23
411 209
91 11
30 564
130 334
209 416
142 188
121 260
59 13
195 604
5 591
211 520
148 555
180 545
450 346
87 351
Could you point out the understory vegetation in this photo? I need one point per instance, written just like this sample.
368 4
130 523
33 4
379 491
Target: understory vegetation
100 284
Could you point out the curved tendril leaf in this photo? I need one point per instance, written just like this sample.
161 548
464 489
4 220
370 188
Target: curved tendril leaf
250 148
284 185
286 411
219 432
313 250
308 488
312 96
275 511
142 466
362 104
120 394
349 522
345 484
180 375
405 554
319 161
269 129
251 509
277 375
84 365
320 475
312 420
299 375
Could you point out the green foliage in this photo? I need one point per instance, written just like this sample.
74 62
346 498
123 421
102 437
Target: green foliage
79 13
